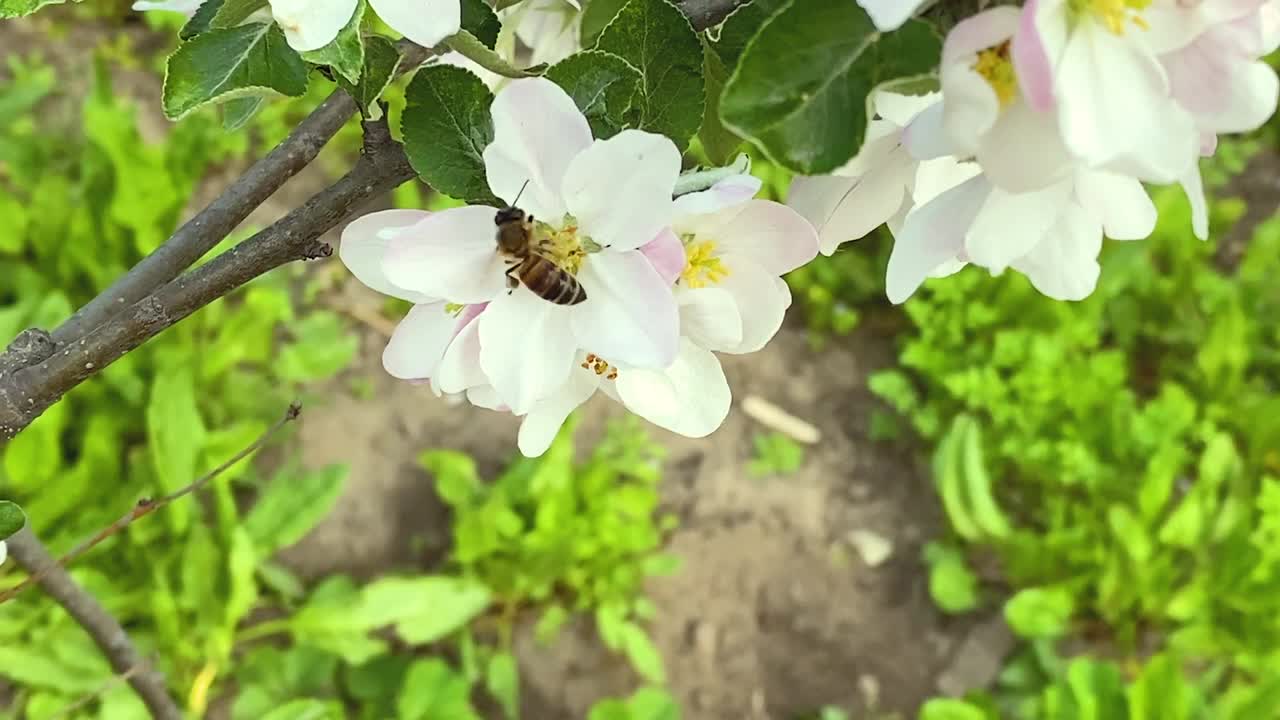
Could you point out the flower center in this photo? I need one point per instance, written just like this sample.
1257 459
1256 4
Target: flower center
563 245
600 367
995 66
702 266
1114 14
453 308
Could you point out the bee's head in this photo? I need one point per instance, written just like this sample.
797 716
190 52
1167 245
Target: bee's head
509 215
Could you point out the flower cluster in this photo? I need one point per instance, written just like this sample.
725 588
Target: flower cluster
1049 119
668 281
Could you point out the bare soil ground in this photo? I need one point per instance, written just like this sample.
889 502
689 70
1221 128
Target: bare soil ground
774 613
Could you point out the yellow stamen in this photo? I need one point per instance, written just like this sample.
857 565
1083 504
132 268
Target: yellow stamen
599 366
995 66
702 266
453 308
562 245
1114 14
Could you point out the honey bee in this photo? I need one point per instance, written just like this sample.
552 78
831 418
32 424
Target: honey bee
540 274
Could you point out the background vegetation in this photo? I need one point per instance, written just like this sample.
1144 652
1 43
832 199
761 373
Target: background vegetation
1110 469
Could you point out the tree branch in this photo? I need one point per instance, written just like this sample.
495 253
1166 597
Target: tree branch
144 508
105 630
28 391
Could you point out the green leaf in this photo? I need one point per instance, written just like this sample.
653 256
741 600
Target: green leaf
952 584
201 20
502 680
642 653
230 13
1040 612
227 63
175 437
596 16
446 127
470 47
439 606
743 23
238 111
602 85
986 512
12 519
380 62
950 709
1161 692
481 21
813 61
345 53
291 505
948 478
719 142
457 480
325 345
656 38
19 8
433 691
301 710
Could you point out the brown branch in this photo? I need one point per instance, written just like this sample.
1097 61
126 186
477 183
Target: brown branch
143 508
105 630
27 392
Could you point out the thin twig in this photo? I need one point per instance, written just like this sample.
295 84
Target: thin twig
101 690
143 508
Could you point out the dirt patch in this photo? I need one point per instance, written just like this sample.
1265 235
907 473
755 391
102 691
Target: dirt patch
774 613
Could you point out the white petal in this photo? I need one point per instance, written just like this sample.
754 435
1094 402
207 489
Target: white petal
934 177
772 235
312 24
1010 225
630 315
452 255
1119 202
691 397
1115 107
539 427
426 22
890 14
1024 150
1065 264
537 132
709 317
526 348
926 137
762 304
1193 186
933 235
365 242
4 552
667 255
419 341
620 189
843 209
460 367
901 109
186 7
486 397
729 192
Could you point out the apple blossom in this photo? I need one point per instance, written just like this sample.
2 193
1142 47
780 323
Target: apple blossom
891 14
312 24
551 29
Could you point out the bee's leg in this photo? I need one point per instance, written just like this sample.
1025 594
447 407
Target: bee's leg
512 281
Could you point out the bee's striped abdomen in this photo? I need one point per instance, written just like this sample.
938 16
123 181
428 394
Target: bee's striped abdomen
550 282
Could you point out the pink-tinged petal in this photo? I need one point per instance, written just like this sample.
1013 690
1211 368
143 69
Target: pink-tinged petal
425 22
1115 108
620 189
901 109
419 341
1208 144
729 192
537 132
933 234
539 427
1024 150
843 209
985 30
1031 59
526 348
666 254
630 314
1064 266
1119 202
691 397
459 368
1269 24
926 137
365 242
774 236
1193 186
312 24
452 255
1011 224
762 304
709 317
1255 89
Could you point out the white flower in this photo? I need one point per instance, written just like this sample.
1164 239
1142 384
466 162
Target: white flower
1091 64
312 24
186 7
551 29
891 14
595 203
4 552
